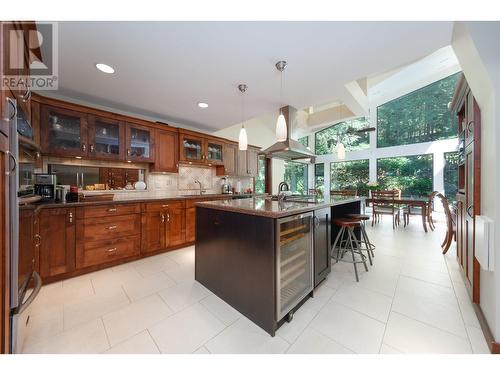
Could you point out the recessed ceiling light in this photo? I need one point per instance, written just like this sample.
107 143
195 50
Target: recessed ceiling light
202 105
105 68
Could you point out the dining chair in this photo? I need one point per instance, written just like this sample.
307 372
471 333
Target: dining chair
417 210
345 192
384 203
450 224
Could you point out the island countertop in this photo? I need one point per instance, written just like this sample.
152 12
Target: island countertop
259 206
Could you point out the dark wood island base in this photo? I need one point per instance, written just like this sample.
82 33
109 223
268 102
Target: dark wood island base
237 252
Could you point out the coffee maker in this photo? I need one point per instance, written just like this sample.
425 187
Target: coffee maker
45 186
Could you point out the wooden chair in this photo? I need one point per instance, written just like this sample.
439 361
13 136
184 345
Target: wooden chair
450 224
346 192
417 210
383 203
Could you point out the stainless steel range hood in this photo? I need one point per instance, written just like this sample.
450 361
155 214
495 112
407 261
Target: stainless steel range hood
290 149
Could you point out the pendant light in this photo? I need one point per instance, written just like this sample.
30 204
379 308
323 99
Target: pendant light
281 130
243 140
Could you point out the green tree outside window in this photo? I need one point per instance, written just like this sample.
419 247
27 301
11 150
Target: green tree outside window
326 140
353 174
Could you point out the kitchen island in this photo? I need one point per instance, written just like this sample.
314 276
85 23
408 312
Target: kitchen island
265 257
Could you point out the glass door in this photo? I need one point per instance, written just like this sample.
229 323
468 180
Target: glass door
106 138
214 152
64 132
140 140
294 262
191 148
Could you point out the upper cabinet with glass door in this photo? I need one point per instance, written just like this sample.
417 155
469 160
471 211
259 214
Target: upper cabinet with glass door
214 151
63 132
139 143
106 138
191 148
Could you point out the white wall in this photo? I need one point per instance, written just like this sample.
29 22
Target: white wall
478 51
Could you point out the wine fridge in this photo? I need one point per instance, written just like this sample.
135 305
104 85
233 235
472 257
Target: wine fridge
294 263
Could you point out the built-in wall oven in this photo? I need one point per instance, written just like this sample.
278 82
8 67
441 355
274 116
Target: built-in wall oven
25 285
294 263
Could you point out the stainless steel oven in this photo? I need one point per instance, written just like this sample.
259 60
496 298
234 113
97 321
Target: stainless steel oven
24 287
294 263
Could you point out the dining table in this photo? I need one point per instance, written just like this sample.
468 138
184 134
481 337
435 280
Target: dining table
421 202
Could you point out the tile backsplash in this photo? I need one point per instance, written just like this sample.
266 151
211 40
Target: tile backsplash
183 182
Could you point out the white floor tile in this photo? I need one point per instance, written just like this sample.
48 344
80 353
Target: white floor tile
183 295
138 289
94 306
186 331
245 337
44 323
154 265
349 328
410 336
301 319
201 350
87 338
478 342
428 309
181 274
322 294
141 343
313 342
386 349
134 318
183 257
373 304
116 278
220 309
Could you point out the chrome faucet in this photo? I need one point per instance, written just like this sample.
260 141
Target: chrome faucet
282 185
201 188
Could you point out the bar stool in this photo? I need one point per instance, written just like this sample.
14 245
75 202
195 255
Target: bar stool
365 241
348 244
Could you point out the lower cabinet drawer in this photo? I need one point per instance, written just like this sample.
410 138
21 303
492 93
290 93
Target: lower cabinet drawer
111 227
101 252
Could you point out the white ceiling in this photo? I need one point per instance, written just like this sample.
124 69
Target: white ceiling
163 69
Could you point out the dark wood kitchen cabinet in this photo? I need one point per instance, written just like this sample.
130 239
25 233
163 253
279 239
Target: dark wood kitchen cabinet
63 132
166 152
139 143
322 239
57 241
106 138
162 225
468 115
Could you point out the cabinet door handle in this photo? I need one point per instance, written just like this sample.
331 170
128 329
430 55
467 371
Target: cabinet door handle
13 158
164 205
168 218
470 126
162 215
12 115
128 152
111 227
84 147
469 210
111 251
91 148
38 240
111 209
70 217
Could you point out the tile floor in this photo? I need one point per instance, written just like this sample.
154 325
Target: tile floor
412 300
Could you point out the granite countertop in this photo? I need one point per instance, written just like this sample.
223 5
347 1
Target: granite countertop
261 206
50 204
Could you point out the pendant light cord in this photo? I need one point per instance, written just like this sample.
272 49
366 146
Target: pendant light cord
281 92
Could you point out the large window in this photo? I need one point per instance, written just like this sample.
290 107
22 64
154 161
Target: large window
450 173
350 175
420 116
260 179
296 177
304 141
319 178
412 175
326 140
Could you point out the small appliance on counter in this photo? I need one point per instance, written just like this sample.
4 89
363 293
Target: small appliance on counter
72 195
225 186
45 186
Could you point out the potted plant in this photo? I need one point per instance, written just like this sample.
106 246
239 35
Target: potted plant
372 186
